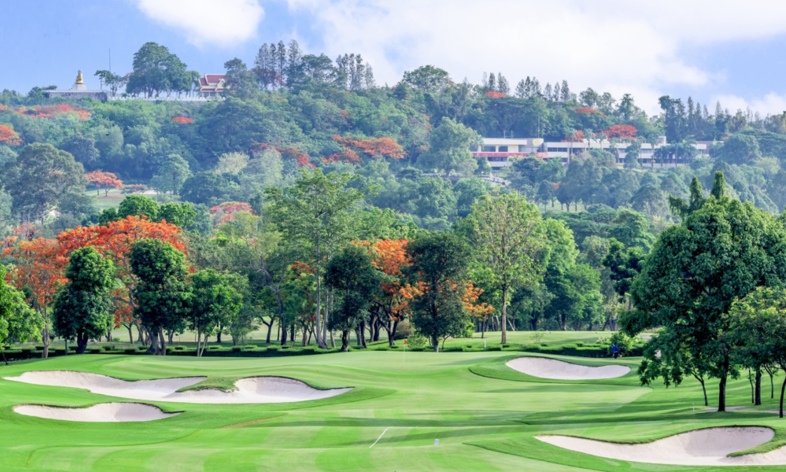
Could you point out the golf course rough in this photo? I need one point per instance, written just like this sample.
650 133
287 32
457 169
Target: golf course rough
99 413
248 390
703 447
560 370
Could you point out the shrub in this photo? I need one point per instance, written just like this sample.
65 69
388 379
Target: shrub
417 341
403 330
130 351
109 348
94 350
236 348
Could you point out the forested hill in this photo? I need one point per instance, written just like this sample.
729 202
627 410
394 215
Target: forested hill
290 110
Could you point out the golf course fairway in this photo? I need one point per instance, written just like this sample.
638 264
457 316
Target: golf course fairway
485 416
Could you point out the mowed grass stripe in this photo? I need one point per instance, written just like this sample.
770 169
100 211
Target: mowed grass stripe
483 422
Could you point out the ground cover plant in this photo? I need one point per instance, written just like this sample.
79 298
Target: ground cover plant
485 415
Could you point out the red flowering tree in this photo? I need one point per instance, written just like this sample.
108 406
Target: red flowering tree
352 148
494 94
622 132
105 180
183 120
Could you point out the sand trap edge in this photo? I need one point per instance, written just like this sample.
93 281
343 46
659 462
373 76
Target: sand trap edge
587 372
50 412
741 457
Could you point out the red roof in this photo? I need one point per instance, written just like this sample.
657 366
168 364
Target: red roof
214 79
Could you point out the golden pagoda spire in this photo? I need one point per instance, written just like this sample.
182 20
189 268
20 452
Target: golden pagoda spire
79 80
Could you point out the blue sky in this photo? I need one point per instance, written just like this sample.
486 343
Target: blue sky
719 49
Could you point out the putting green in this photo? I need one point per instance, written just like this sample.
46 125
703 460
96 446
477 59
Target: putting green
485 415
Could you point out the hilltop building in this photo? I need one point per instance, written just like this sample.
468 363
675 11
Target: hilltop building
212 85
502 152
78 91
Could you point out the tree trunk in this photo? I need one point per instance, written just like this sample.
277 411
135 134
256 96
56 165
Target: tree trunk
269 329
750 382
81 343
171 337
757 400
783 387
153 349
345 340
504 314
45 341
392 333
283 335
435 343
704 391
130 334
362 334
218 334
722 394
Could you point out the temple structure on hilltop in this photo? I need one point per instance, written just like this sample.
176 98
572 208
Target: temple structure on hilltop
78 91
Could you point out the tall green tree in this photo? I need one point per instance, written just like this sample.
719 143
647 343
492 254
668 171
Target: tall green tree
352 274
156 70
39 178
449 148
440 262
171 175
18 322
316 214
162 292
723 250
83 309
756 325
214 304
510 240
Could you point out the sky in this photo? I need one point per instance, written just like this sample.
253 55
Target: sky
713 50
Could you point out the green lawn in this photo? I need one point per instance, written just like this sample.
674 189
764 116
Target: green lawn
484 415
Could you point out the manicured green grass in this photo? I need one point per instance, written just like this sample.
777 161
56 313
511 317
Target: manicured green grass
484 414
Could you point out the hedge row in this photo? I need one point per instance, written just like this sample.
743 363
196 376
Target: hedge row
577 350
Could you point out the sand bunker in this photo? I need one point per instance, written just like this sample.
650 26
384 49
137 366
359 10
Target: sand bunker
101 413
701 447
554 369
251 390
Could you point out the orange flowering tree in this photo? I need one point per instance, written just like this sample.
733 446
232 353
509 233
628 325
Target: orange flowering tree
390 257
38 269
114 241
105 180
352 148
9 136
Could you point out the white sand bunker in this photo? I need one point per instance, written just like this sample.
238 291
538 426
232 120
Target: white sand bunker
100 413
554 369
701 447
251 390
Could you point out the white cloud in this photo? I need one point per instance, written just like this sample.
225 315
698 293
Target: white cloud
770 104
610 45
223 23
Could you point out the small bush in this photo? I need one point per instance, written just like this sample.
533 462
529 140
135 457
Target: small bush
403 330
109 348
579 344
236 348
214 348
39 347
179 348
130 351
494 348
142 348
94 350
416 341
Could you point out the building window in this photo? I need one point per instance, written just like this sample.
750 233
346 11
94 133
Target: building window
502 149
489 149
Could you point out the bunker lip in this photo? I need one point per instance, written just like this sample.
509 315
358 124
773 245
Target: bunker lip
710 446
248 390
114 412
554 369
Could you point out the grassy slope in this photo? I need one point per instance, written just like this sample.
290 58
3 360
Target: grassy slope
483 422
